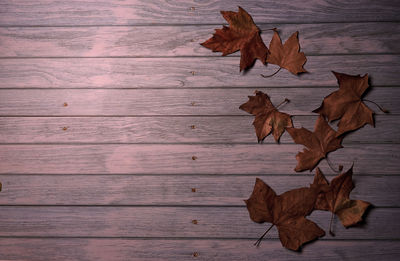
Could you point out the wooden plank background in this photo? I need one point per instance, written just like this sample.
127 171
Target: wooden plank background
121 137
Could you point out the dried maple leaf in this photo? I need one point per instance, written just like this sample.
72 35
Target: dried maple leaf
287 55
242 34
319 143
287 212
337 200
268 119
346 103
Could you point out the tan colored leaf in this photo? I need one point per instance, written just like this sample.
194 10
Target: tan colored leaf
268 119
319 143
346 103
287 55
337 200
287 212
242 34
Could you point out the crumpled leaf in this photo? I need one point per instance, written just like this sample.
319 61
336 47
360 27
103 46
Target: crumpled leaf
346 103
319 143
242 34
287 55
337 200
268 119
287 212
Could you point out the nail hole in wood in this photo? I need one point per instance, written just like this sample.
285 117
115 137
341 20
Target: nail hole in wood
193 127
193 189
192 103
195 254
194 158
194 221
65 128
65 104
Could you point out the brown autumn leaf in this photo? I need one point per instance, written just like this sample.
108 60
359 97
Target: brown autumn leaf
242 34
346 103
287 55
337 200
287 212
319 143
268 119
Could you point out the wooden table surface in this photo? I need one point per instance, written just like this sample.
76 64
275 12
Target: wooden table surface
121 137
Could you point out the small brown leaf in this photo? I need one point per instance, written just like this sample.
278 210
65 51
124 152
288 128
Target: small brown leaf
268 119
242 34
319 143
337 200
287 212
346 103
287 55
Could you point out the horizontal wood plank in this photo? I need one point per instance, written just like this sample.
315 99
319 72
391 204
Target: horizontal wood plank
136 12
69 249
185 159
161 102
170 72
212 222
332 38
174 129
381 191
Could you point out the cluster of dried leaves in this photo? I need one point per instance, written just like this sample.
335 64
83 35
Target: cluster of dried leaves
288 211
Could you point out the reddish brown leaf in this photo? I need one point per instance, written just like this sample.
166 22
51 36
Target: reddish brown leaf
287 212
287 55
319 143
268 119
337 200
242 34
346 103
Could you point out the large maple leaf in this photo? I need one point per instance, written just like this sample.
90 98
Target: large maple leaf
346 103
242 34
268 119
287 212
337 200
319 143
287 55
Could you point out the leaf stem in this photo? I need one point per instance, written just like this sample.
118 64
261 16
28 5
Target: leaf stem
286 100
330 225
258 242
267 76
377 105
331 165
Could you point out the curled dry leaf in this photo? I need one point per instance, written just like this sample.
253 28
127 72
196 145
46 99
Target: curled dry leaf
287 212
337 200
268 119
287 55
242 34
346 103
319 143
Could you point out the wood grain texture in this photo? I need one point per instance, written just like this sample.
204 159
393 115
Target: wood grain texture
212 222
163 102
381 191
187 72
178 159
134 12
150 41
69 249
170 129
